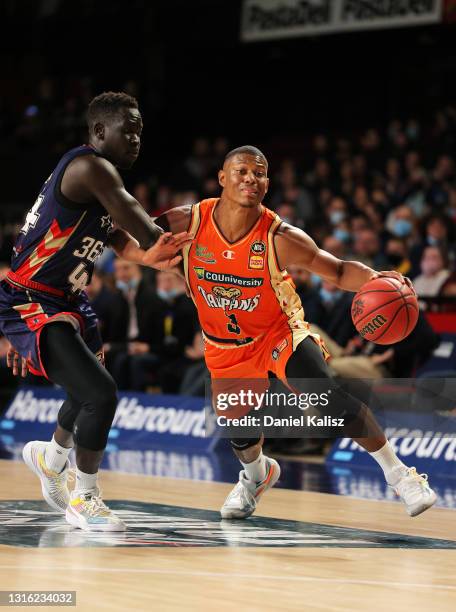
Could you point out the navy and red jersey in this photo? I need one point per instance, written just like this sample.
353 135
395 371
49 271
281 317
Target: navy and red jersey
60 240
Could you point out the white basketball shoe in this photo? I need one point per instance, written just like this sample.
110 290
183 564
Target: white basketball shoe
414 490
88 511
54 485
243 499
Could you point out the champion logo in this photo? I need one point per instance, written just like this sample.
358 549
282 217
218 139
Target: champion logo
228 254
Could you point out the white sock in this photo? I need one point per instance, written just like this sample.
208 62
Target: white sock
256 470
55 456
388 460
85 482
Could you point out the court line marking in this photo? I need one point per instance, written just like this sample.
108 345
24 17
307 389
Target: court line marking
116 570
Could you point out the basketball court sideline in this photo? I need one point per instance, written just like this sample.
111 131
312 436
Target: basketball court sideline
302 551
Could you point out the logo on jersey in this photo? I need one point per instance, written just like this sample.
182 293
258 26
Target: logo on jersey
33 215
106 221
228 254
203 254
227 279
229 299
258 247
256 256
230 293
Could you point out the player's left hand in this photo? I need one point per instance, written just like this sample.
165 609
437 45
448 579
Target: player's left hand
398 276
163 255
12 361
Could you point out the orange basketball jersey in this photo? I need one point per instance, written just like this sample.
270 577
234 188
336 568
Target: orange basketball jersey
240 293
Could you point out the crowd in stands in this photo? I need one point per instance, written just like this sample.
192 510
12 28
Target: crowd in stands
386 197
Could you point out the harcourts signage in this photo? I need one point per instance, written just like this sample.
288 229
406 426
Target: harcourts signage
141 419
427 450
266 19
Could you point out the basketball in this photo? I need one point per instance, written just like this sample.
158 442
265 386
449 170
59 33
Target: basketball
385 310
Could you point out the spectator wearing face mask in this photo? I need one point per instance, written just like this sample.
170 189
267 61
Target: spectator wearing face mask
397 255
336 212
436 230
434 272
401 223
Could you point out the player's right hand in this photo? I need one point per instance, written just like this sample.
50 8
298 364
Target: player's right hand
12 361
163 255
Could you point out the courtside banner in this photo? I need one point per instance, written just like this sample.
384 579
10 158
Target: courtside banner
414 438
142 420
268 19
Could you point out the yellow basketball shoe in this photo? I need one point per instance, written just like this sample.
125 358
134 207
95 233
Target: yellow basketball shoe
243 499
414 490
88 511
54 485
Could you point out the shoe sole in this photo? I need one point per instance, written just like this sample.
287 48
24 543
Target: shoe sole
27 456
422 507
232 514
273 475
76 520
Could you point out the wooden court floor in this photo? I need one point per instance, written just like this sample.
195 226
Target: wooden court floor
312 577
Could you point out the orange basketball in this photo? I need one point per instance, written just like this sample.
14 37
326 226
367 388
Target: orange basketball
385 310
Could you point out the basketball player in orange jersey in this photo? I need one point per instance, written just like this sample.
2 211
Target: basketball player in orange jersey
252 318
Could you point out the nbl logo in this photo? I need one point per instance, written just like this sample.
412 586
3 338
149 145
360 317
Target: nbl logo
258 247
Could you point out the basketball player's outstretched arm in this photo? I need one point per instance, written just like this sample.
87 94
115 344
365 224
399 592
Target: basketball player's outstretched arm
101 179
174 223
293 246
137 230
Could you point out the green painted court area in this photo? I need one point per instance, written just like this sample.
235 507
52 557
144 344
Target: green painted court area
31 524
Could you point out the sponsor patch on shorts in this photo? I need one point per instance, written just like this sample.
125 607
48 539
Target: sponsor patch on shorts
279 348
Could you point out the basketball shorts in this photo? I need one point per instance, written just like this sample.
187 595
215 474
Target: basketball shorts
230 367
24 313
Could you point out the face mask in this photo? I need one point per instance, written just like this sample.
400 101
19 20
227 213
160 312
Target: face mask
395 259
126 286
329 297
315 280
429 268
402 227
337 216
342 235
432 241
167 295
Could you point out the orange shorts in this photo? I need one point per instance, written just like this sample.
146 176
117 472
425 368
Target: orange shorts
229 367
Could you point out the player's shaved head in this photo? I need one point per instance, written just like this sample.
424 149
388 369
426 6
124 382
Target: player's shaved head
109 105
246 150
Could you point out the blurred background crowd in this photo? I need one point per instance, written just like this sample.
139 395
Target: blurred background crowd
368 172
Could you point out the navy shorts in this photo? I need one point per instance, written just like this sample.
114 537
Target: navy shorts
24 313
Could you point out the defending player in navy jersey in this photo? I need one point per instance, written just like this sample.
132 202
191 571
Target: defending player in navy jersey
45 313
